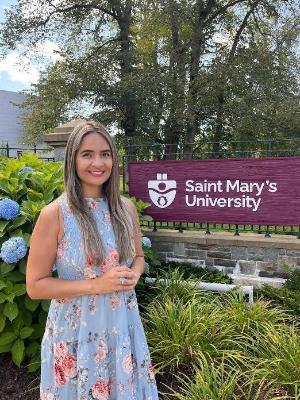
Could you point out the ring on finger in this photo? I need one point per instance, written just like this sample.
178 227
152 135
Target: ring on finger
122 280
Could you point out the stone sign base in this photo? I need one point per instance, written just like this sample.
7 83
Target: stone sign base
249 259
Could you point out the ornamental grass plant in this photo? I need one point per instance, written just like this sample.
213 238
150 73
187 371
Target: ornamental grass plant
219 346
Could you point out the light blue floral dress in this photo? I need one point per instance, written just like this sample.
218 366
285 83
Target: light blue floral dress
94 346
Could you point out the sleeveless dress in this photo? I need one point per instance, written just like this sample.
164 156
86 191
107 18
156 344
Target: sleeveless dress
94 346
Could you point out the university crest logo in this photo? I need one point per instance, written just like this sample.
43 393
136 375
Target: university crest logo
162 191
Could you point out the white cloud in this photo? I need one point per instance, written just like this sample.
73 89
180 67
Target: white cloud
19 68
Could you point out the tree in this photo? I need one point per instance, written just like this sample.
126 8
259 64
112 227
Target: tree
153 70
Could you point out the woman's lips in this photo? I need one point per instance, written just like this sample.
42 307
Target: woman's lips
96 173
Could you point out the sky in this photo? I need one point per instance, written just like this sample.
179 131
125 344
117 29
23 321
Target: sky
17 72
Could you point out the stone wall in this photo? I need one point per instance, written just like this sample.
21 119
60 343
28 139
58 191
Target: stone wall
250 259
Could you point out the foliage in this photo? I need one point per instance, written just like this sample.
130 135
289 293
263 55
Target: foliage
22 320
288 296
189 271
219 346
166 72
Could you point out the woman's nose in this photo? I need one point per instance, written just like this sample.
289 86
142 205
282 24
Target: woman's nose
97 161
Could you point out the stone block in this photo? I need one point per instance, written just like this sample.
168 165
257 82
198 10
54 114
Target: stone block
209 262
273 274
224 249
162 256
163 246
225 262
293 253
257 281
283 275
255 254
270 254
267 266
192 261
239 253
266 274
196 253
179 249
288 262
247 267
219 254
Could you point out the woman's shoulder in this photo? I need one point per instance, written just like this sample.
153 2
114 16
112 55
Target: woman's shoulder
51 210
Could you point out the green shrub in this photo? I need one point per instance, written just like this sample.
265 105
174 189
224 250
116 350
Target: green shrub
190 271
22 320
288 297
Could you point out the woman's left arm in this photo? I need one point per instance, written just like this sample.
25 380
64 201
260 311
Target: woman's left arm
138 264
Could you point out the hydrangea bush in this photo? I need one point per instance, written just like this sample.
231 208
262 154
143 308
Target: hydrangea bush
26 186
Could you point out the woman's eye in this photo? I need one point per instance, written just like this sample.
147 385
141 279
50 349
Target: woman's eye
106 154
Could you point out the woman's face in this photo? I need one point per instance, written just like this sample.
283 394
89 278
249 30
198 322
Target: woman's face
93 164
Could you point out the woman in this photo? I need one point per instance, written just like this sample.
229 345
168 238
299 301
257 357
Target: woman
94 346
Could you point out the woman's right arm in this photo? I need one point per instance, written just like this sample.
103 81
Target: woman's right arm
43 247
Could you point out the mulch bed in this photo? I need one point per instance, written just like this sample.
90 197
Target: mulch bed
17 383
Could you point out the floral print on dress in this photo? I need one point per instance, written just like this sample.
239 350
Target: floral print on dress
64 364
94 346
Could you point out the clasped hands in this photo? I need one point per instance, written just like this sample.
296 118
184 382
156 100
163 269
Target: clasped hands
121 279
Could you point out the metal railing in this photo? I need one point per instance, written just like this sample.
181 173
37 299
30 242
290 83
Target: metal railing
19 151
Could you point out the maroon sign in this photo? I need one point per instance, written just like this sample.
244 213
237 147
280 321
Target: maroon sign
263 191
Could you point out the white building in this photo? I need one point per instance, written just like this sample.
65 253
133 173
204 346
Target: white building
11 130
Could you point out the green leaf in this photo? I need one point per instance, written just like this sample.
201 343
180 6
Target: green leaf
5 348
17 324
33 195
18 352
33 349
10 297
9 287
26 332
2 298
3 225
15 276
22 266
2 284
19 289
2 322
6 338
38 331
11 311
27 316
6 268
46 305
20 220
30 304
34 363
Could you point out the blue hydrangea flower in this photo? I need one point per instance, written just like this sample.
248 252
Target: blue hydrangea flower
13 250
146 241
25 169
9 209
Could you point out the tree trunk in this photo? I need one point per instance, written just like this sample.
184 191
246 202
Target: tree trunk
128 97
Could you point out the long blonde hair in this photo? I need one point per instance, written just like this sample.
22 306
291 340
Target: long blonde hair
120 216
